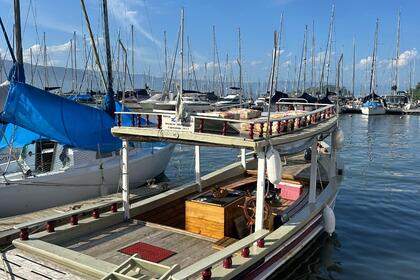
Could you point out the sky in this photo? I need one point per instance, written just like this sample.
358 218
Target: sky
257 21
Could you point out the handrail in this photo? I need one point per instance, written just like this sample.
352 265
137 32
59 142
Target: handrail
222 255
257 120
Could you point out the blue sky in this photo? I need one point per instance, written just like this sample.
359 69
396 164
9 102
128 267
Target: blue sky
257 20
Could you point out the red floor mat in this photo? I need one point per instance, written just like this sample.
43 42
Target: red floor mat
147 252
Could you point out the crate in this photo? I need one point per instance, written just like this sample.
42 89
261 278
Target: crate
290 190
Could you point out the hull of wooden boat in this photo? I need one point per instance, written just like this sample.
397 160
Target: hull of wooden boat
58 188
295 244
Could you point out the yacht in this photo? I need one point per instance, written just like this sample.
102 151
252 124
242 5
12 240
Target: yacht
373 107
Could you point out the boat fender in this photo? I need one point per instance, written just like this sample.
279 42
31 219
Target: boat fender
329 220
274 168
338 138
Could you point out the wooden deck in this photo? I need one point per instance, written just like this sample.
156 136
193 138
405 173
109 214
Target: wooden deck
105 244
7 233
19 265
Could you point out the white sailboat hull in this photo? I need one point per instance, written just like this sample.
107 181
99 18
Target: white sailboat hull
80 183
373 111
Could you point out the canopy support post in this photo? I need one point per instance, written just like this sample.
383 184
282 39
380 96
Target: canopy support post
243 158
314 168
125 183
198 168
260 198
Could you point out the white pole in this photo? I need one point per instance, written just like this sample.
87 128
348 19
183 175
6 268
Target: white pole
333 156
243 158
259 212
314 168
197 168
125 184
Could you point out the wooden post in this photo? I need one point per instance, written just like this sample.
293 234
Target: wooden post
314 169
243 158
197 168
125 183
259 214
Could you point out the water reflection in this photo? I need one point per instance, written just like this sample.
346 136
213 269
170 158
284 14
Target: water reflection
317 261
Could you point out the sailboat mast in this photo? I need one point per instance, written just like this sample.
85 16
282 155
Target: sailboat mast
132 54
373 68
45 64
166 57
182 52
240 65
354 68
107 46
18 36
214 59
321 81
397 56
313 58
75 59
279 41
305 57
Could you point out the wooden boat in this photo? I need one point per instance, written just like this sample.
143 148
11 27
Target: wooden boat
223 225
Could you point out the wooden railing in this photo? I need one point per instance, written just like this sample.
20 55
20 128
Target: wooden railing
281 125
224 256
72 216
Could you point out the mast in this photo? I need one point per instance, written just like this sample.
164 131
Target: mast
107 47
305 57
397 57
240 65
18 36
214 59
45 64
354 68
182 51
313 58
279 49
321 81
373 68
166 57
132 53
75 59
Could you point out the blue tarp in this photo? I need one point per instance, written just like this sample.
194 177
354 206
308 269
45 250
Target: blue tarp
59 119
17 136
372 104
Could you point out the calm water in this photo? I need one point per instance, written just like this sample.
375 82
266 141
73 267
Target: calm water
377 209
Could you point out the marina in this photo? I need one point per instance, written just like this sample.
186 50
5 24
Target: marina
296 165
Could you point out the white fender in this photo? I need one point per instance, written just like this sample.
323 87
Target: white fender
338 138
329 220
274 167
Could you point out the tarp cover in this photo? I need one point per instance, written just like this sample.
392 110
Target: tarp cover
16 136
309 98
59 119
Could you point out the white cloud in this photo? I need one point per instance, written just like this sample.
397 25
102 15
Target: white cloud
125 14
404 58
363 62
255 62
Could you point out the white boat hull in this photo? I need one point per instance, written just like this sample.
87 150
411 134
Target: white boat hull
89 181
373 111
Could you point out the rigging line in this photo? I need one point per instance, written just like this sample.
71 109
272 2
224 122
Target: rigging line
52 68
65 70
85 70
173 64
151 31
26 18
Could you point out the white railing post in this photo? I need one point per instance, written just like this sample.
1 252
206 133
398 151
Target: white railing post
243 158
260 198
314 169
198 168
125 183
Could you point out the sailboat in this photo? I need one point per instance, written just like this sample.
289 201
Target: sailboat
72 154
373 105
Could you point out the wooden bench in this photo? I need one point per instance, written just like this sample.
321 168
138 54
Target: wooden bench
224 255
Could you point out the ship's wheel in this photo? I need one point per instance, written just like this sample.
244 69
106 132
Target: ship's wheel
249 207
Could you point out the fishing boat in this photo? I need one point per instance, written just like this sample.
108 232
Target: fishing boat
243 221
69 153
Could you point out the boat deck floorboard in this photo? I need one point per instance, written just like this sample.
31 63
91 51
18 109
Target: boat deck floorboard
105 244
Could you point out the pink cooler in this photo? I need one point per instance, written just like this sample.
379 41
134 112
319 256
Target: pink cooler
290 190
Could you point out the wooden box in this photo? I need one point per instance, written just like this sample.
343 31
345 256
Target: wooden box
212 220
